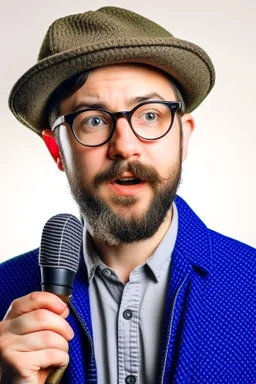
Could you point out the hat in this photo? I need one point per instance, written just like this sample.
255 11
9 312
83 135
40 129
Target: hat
107 36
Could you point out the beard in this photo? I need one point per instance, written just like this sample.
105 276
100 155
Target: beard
112 228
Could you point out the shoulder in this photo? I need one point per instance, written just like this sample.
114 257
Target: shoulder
18 277
232 259
191 225
209 248
223 243
19 261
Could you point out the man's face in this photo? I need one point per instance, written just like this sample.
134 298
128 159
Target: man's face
125 187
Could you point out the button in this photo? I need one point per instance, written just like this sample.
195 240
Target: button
106 272
130 379
127 315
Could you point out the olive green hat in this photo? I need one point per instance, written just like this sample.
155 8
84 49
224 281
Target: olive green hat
94 39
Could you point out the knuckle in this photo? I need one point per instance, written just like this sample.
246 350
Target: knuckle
34 296
50 354
47 338
52 340
57 356
40 315
15 304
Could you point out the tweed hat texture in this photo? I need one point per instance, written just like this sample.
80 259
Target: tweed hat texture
94 39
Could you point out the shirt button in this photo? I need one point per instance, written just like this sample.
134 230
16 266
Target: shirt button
106 272
128 315
130 379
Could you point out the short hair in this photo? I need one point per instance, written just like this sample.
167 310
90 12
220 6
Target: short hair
72 84
65 89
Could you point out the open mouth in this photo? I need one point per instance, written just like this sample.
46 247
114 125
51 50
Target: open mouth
128 181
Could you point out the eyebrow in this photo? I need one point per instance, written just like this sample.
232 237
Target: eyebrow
148 96
132 101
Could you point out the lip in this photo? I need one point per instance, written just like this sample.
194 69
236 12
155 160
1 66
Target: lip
124 175
126 190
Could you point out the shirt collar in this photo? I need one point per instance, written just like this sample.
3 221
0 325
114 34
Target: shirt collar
161 258
91 258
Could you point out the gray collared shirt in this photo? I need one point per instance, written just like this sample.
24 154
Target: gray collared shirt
127 318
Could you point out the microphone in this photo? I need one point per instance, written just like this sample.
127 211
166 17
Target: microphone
58 259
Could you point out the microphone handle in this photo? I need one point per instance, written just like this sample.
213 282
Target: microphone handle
55 376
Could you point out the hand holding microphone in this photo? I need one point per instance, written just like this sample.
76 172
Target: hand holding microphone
34 335
59 259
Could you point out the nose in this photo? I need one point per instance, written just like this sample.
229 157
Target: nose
124 144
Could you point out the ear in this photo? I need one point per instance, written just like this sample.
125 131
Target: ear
50 142
188 126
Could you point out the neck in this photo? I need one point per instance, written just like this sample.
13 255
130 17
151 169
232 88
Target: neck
123 258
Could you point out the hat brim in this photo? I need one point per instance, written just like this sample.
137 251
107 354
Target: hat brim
185 62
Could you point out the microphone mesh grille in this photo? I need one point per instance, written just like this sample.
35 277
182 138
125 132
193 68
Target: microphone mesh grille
61 242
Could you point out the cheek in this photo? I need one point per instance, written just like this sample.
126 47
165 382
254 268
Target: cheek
88 161
165 153
69 147
91 161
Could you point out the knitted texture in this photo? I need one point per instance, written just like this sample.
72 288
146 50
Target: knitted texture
209 330
110 35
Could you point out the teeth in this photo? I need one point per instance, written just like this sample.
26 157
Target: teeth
128 181
126 178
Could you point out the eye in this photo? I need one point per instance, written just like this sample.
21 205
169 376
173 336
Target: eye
91 121
95 121
150 116
147 116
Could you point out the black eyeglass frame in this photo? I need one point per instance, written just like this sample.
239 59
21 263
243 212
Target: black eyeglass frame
173 106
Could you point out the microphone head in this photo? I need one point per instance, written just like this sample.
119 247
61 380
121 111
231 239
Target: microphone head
60 252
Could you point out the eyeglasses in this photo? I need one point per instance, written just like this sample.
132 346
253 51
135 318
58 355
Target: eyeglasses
150 120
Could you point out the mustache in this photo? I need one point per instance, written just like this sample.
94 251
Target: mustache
139 171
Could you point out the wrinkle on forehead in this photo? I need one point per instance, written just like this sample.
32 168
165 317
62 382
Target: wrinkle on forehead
120 87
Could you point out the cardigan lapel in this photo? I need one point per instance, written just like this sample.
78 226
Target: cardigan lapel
190 268
83 366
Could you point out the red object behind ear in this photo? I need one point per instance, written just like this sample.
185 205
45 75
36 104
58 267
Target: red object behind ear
52 146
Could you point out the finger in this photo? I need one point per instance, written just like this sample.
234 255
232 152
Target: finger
28 364
37 300
48 357
38 320
36 341
43 340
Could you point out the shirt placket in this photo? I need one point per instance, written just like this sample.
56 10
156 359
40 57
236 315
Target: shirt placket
128 331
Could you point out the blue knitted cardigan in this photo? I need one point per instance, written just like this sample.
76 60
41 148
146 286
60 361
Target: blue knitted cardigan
209 328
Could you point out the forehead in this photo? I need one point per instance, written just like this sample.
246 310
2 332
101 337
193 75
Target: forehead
116 86
125 70
135 75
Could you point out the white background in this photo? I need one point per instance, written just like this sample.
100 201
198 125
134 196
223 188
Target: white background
219 174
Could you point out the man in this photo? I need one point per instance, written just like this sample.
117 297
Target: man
158 297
